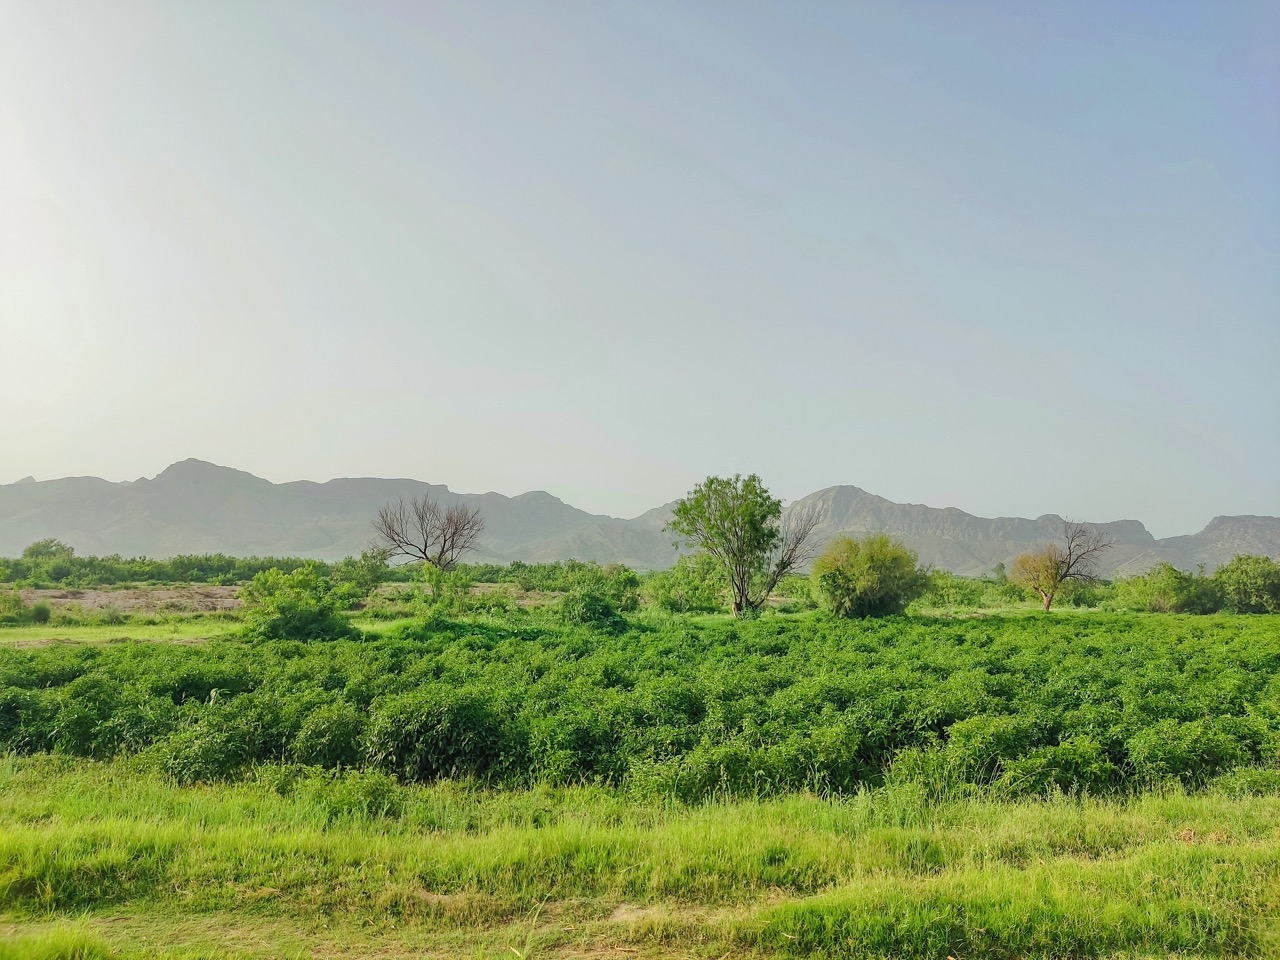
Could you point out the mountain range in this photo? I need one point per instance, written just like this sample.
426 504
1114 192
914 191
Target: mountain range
199 507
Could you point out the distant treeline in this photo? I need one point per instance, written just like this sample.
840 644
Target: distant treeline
51 563
1248 584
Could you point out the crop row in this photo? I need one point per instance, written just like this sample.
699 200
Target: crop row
684 707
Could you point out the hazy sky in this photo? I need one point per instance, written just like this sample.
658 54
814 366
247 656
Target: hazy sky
1016 258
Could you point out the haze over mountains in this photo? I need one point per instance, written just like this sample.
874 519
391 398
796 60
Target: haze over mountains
199 507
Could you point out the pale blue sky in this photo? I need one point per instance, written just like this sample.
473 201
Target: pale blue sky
1016 258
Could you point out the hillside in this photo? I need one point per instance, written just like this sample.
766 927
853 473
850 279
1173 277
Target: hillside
199 507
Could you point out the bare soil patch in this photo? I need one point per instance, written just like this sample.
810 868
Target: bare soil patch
200 598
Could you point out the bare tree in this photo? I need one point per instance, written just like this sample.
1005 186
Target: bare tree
795 548
424 530
1045 570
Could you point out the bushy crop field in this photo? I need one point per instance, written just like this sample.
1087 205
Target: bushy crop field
1070 785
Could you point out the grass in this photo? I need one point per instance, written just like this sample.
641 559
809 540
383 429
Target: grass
111 861
104 860
188 629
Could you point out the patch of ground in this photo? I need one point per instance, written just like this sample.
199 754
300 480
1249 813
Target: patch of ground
197 598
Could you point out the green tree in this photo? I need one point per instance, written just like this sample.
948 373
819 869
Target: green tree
48 549
874 576
1250 584
739 523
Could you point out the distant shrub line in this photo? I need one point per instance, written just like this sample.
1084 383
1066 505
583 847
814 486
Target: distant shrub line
696 584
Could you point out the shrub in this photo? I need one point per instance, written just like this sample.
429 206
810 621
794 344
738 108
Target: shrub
620 586
86 705
871 577
299 605
1166 589
1250 584
330 736
947 589
434 733
1192 752
202 752
582 608
356 579
696 584
1077 764
12 609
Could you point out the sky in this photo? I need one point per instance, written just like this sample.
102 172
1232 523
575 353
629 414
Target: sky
1014 258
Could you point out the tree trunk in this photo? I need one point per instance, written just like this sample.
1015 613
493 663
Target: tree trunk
1048 599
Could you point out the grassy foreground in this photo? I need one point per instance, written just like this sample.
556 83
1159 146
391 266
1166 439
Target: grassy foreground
100 860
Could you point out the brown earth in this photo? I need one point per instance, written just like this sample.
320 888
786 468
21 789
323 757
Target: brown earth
202 598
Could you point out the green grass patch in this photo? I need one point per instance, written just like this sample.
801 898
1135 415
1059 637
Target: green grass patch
468 870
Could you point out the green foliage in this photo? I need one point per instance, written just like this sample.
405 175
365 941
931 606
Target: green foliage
12 607
356 578
684 708
1077 764
617 583
1250 584
696 584
434 733
737 521
1086 594
331 736
874 576
297 605
48 550
953 592
584 608
1166 589
49 563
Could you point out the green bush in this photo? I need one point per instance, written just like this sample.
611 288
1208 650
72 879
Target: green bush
684 707
870 577
202 752
12 608
330 736
1079 764
1166 589
356 579
1192 751
1250 584
297 605
583 608
696 584
435 733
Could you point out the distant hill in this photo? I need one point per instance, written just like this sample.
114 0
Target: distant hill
199 507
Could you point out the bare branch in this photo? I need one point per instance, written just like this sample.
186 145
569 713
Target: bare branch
1084 546
1046 569
796 545
424 531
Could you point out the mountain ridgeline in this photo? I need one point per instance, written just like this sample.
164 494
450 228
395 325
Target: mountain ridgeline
198 507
